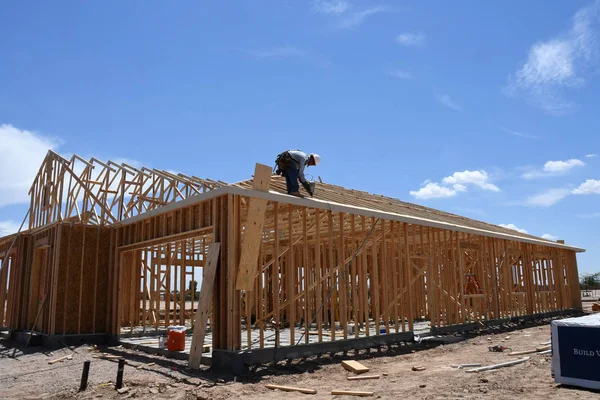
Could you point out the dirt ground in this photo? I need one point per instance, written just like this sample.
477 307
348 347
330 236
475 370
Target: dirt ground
26 374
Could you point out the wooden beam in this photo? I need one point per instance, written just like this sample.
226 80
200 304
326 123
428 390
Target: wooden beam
204 301
254 228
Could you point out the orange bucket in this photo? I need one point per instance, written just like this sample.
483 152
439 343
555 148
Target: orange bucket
176 338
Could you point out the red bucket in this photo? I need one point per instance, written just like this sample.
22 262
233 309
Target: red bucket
176 338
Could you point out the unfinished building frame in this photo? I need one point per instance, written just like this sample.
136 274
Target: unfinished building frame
114 250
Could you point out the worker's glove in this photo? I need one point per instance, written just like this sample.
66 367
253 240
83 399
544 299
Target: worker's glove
307 188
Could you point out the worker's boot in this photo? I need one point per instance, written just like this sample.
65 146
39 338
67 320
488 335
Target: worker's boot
297 194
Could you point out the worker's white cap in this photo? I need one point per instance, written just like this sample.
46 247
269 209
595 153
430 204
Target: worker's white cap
317 158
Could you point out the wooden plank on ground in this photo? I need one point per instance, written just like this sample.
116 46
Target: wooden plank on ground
351 393
354 366
291 389
204 301
254 227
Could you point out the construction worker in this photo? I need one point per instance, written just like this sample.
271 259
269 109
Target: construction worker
291 164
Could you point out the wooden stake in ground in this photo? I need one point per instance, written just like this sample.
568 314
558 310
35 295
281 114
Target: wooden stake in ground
496 366
354 366
291 389
351 393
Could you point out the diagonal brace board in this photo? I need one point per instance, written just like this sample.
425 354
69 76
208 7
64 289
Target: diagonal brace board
204 301
254 227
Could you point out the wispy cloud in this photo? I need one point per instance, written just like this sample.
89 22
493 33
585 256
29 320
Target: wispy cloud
276 52
548 236
21 153
445 100
513 227
590 155
359 17
558 64
410 39
400 74
547 198
591 215
8 228
287 52
590 186
334 7
553 168
454 184
520 134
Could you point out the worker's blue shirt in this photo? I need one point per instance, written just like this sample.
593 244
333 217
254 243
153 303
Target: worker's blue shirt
301 160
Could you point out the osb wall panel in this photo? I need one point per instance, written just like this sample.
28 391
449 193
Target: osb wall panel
83 280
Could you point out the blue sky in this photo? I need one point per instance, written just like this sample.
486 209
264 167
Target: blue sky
485 109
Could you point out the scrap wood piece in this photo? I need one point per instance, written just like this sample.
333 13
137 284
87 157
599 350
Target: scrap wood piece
354 366
496 366
419 368
361 377
107 356
252 240
145 365
204 302
69 357
291 389
545 352
536 350
546 343
351 393
461 366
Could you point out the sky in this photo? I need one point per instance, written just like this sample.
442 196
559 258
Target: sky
483 109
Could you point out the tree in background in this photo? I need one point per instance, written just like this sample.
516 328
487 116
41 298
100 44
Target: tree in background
192 288
589 281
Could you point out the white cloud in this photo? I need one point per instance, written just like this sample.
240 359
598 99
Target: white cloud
478 178
454 184
335 7
520 134
356 19
400 74
448 102
433 190
562 166
8 228
410 39
513 227
592 215
548 236
558 64
21 154
590 155
547 198
590 186
553 168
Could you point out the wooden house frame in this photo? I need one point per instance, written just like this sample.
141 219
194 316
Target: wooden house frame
110 251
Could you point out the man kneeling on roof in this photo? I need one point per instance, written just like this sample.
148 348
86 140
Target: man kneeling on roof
291 164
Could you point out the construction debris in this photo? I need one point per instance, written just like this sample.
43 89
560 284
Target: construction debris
351 393
69 357
461 366
291 389
145 365
361 377
354 366
537 350
496 366
419 368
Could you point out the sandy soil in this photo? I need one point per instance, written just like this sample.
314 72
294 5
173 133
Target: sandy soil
26 374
